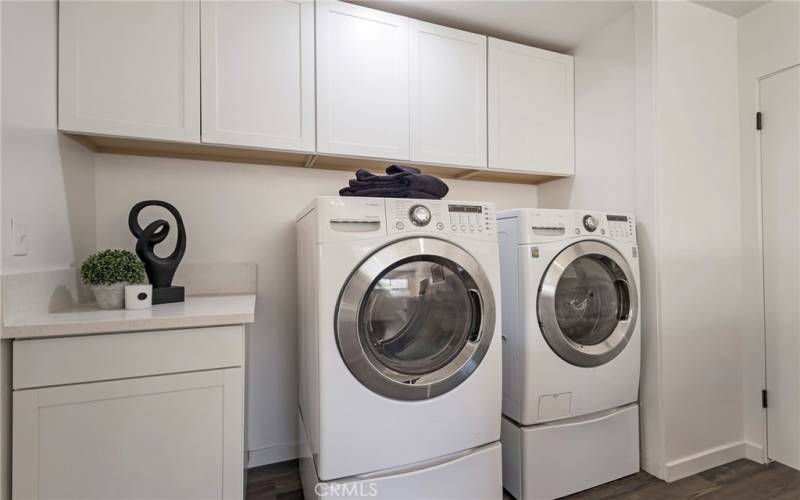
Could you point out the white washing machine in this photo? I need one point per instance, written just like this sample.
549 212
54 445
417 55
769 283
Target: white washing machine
400 350
571 353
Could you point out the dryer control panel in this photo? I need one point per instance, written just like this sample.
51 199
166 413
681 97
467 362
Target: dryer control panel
473 219
541 225
608 225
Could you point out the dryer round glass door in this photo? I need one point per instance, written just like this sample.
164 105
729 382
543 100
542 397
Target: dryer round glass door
588 304
415 319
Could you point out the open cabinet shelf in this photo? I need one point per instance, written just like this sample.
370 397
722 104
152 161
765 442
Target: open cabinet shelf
209 152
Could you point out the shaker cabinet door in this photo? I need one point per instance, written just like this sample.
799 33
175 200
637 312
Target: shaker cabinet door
362 81
447 95
171 436
531 109
130 68
258 74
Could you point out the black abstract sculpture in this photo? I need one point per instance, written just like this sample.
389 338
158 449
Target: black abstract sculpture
160 270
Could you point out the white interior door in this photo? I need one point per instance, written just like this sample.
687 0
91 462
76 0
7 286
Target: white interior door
780 165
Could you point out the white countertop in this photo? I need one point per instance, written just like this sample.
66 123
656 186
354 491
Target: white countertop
197 311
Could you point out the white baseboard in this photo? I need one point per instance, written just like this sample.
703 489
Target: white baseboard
708 459
273 454
754 452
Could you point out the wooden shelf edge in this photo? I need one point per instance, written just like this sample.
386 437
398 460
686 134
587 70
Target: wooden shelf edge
211 152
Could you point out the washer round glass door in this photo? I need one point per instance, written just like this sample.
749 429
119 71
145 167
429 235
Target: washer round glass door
588 304
415 319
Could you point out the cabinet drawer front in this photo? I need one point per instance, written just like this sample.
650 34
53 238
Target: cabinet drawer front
172 436
71 360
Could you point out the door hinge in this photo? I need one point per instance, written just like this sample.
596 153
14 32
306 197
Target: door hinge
764 398
758 120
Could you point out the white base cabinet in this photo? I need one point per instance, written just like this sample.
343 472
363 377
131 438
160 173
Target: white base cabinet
171 435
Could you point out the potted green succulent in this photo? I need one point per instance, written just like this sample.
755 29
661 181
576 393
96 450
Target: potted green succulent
107 272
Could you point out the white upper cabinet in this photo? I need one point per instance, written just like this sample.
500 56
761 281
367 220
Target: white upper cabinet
130 68
447 95
531 109
362 82
258 74
329 77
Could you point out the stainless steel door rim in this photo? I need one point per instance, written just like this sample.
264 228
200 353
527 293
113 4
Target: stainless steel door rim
362 361
602 352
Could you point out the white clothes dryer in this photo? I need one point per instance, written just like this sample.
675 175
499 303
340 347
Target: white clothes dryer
571 353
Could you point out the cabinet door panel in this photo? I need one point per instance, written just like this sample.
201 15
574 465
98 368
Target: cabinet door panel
447 95
531 109
130 68
258 74
362 82
173 436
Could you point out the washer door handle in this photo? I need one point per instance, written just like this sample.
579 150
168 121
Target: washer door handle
476 326
624 294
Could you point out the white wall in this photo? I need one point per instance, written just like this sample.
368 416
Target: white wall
245 213
650 395
657 134
5 347
46 179
769 41
698 237
605 121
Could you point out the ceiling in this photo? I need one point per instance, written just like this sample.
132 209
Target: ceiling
735 8
553 25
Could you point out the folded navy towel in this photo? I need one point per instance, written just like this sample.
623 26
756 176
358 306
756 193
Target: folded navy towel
399 182
388 192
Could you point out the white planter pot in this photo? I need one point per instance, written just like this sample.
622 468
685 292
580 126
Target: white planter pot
110 296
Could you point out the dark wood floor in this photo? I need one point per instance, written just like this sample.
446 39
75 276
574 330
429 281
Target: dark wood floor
740 480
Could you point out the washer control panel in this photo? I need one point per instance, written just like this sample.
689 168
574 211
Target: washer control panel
438 216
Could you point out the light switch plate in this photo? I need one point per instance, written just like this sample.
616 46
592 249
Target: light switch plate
19 236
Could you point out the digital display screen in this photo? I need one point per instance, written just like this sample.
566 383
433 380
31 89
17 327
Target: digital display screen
470 209
617 218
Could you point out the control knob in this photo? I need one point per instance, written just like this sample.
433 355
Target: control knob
419 215
590 223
